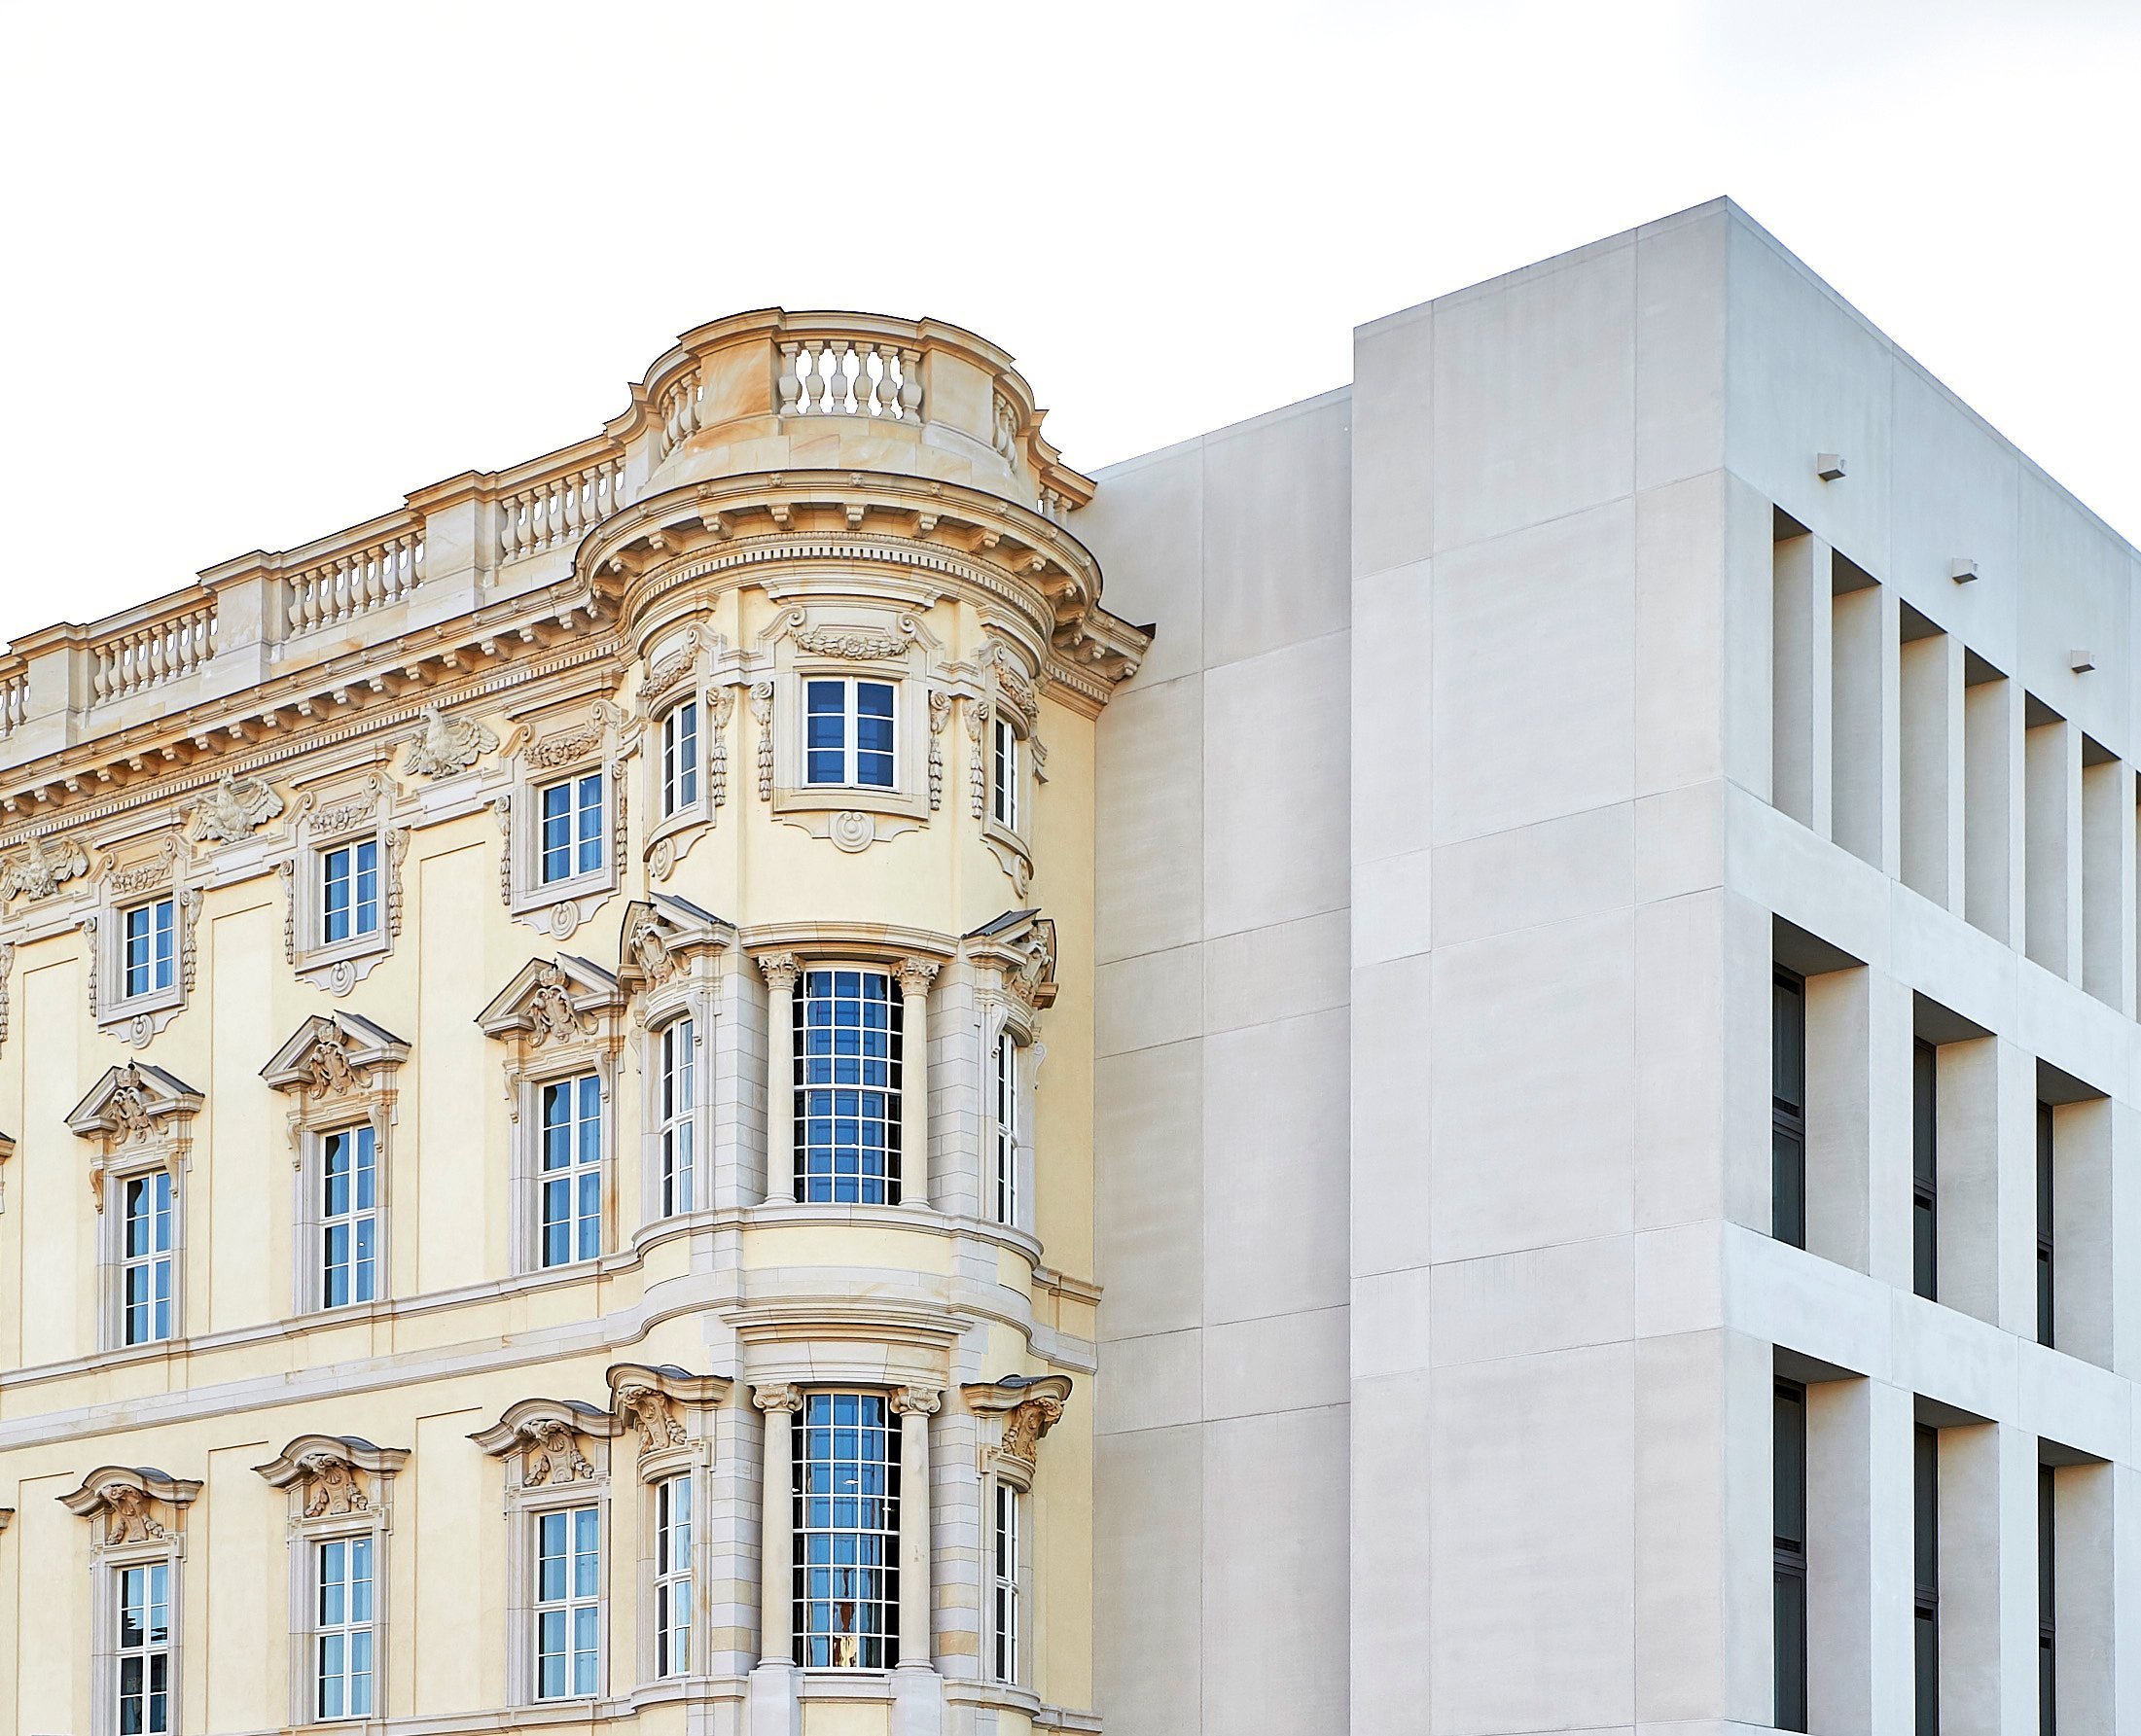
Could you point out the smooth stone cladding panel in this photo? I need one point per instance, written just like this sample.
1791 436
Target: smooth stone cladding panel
1517 1467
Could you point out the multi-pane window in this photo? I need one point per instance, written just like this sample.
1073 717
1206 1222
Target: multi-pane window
847 1533
568 1602
675 1042
2048 1627
1788 1108
1006 1584
680 757
570 841
143 1653
1925 1168
673 1576
342 1640
145 1258
569 1187
146 949
349 892
1788 1475
848 1087
349 1216
1926 1557
2044 1222
848 734
1007 1128
1007 775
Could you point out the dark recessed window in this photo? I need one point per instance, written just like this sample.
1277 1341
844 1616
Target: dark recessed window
1925 1169
2044 1222
2048 1673
1788 1108
1788 1469
1926 1553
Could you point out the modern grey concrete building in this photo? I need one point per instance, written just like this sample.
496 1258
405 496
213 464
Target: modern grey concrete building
1616 940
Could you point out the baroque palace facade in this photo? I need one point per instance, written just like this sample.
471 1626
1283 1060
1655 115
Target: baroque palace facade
548 1084
681 1089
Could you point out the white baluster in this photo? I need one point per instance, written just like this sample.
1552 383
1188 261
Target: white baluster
911 384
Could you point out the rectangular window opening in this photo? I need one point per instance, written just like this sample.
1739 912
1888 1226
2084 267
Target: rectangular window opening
677 1041
142 1652
147 952
343 1635
680 757
1925 1168
570 843
1926 1558
348 1216
846 1517
847 1035
850 730
568 1602
1788 1472
569 1184
1788 1107
349 892
673 1576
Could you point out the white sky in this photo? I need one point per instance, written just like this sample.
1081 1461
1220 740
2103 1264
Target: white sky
268 267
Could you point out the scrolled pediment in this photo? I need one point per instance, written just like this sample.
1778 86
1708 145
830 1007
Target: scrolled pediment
337 1472
137 1504
334 1054
650 1397
1021 944
551 1436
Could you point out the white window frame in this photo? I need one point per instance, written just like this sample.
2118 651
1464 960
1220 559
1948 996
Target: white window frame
674 1579
330 820
158 922
140 1119
580 1540
159 1181
850 748
571 1444
671 1416
117 1546
350 1630
147 1651
319 1225
895 1183
800 1429
1005 806
363 917
568 755
887 646
674 1127
682 768
579 843
539 1179
1008 1623
122 892
1007 1085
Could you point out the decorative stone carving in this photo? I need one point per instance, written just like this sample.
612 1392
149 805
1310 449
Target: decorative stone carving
1021 944
132 1105
786 1397
547 1435
235 807
335 1490
445 745
762 708
852 831
719 703
918 1400
1030 1404
42 868
550 1010
553 1454
978 761
562 747
855 645
7 970
334 1055
916 975
564 1001
136 1506
652 1399
672 668
337 1476
940 714
662 934
780 970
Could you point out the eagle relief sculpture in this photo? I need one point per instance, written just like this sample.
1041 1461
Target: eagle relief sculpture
235 807
447 745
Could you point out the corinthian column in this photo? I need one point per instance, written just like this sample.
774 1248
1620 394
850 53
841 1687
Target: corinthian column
777 1524
781 970
915 977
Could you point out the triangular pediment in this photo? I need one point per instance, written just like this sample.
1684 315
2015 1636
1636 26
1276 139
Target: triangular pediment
132 1099
660 933
562 997
333 1052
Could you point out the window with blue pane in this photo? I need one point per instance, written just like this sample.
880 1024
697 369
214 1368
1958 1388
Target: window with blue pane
145 1258
848 734
348 1216
680 757
848 1087
570 1181
846 1463
349 892
342 1640
571 837
675 1045
146 949
568 1602
142 1653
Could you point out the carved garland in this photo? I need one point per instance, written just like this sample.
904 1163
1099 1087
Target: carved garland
940 714
762 708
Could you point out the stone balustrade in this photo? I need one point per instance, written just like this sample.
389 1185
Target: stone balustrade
15 699
558 510
845 376
173 642
345 585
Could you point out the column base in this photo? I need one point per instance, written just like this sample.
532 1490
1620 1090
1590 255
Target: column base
772 1706
918 1701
